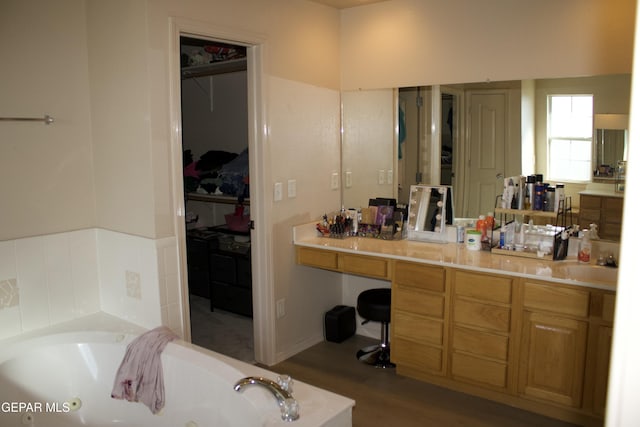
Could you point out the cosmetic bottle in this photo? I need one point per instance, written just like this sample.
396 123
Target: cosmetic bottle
584 254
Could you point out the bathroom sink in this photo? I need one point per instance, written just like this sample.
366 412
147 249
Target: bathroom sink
589 273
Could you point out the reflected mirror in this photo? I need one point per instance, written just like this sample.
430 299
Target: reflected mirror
430 210
477 132
610 144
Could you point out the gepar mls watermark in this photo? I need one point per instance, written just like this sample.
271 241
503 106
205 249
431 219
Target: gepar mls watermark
35 407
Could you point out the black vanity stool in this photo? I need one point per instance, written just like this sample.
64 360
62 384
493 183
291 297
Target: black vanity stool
375 304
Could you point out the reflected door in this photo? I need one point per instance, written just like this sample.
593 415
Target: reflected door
487 124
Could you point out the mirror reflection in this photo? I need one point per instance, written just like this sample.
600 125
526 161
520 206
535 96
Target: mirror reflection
478 133
430 210
610 144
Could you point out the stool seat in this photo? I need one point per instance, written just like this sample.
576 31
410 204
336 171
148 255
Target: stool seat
375 304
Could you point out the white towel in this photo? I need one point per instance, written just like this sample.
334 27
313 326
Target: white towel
140 378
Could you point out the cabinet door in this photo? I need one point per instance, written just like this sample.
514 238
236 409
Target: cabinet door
602 369
611 218
553 358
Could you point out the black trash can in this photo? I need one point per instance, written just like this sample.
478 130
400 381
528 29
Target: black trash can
339 323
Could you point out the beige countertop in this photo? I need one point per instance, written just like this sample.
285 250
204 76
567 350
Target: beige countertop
569 271
603 193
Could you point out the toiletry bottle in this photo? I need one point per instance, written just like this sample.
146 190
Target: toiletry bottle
490 224
481 226
559 197
550 197
584 254
538 198
530 193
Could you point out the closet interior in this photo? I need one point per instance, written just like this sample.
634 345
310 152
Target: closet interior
216 189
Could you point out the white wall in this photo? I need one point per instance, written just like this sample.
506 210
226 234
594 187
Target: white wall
46 172
401 43
214 113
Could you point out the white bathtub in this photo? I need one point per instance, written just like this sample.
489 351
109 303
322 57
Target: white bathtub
65 379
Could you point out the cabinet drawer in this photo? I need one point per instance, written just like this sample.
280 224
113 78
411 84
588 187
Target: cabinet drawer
613 205
318 258
481 315
417 356
418 328
413 300
481 343
557 299
483 287
590 202
420 276
479 370
365 266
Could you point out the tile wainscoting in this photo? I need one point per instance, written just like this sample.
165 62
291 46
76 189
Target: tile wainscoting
46 280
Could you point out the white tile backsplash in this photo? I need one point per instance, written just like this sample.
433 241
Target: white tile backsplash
49 279
135 296
32 282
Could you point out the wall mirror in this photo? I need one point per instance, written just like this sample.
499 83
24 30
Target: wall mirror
430 210
478 133
610 144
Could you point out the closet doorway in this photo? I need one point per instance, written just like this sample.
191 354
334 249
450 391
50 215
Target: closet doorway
217 195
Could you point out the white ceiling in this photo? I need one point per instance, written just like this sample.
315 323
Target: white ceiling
343 4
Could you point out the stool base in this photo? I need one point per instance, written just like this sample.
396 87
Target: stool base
376 355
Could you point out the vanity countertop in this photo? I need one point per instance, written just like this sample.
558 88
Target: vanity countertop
569 271
602 193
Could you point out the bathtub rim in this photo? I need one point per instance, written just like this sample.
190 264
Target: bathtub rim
109 325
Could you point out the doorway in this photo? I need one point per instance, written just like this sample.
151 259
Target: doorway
215 155
262 281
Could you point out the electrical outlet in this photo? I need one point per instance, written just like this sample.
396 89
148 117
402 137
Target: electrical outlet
280 308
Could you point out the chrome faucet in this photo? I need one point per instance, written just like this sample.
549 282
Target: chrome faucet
288 405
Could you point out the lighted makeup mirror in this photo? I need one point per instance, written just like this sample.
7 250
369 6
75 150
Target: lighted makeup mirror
430 211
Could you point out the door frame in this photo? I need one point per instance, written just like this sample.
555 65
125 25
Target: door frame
262 271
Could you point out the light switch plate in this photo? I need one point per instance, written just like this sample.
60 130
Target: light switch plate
348 179
277 191
381 176
291 188
335 183
390 176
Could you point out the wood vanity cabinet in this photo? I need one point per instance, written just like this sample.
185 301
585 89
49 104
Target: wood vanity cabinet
606 211
418 313
553 343
541 346
599 351
362 265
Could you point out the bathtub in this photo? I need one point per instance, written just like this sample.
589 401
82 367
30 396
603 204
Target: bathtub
64 378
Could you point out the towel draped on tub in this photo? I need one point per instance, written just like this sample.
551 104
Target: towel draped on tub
140 378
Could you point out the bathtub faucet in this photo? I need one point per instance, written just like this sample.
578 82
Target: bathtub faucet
288 405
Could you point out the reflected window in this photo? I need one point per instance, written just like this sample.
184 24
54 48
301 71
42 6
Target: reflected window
570 137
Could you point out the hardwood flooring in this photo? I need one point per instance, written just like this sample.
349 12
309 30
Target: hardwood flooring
386 399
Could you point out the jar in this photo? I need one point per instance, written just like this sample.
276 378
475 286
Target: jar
474 242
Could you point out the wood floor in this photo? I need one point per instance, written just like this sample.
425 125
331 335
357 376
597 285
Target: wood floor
386 399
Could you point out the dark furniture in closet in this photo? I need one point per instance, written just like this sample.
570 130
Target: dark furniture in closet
220 268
